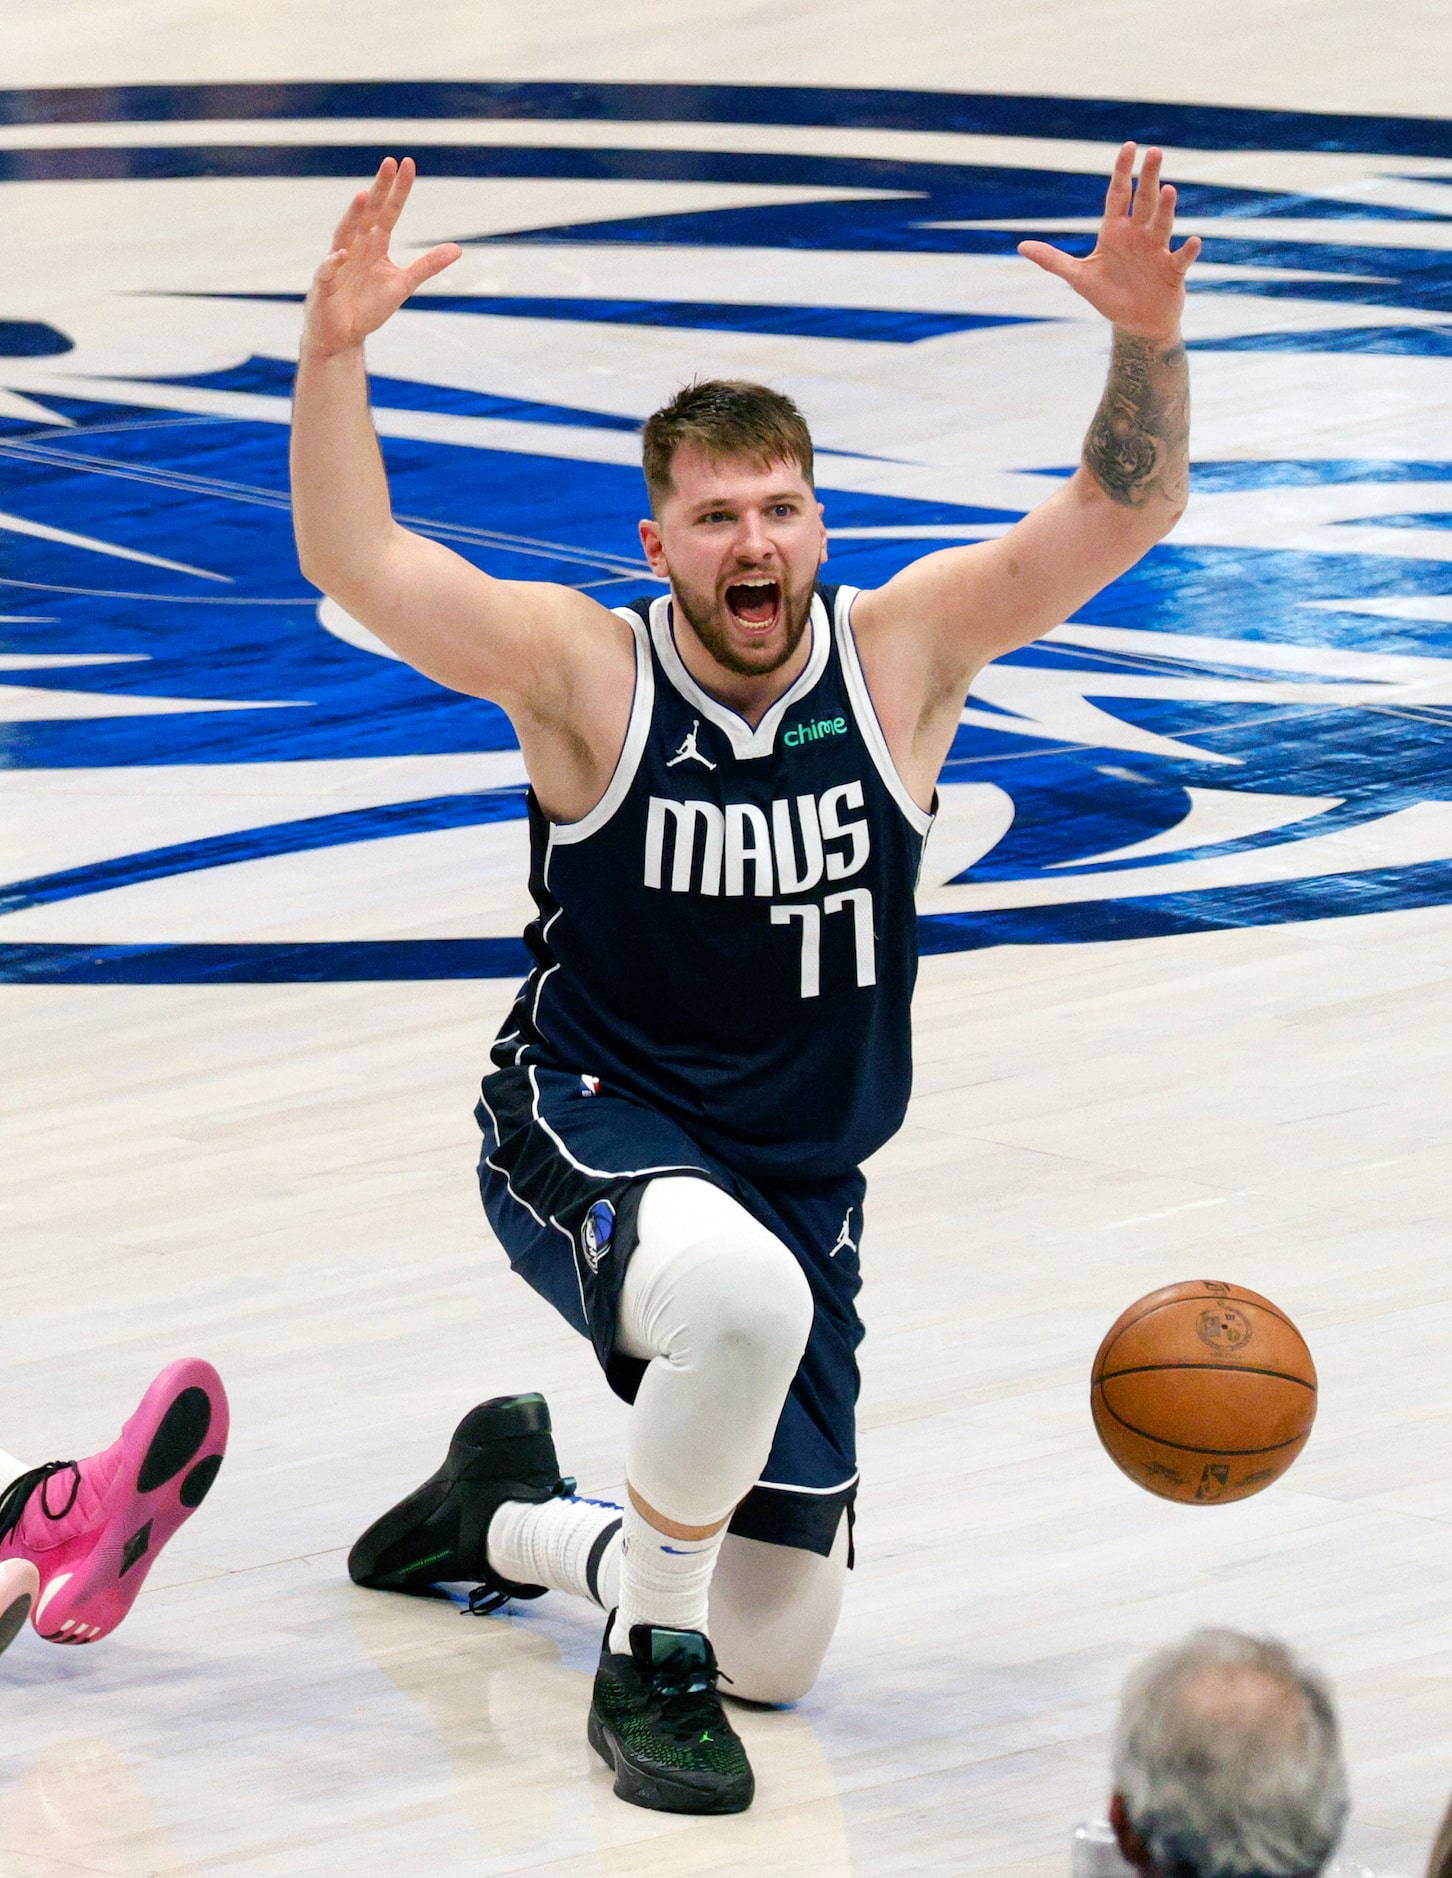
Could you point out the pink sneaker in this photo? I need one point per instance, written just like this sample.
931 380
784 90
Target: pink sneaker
92 1528
19 1588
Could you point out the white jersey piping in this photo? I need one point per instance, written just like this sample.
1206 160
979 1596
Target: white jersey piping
781 1486
600 1173
518 1199
745 742
642 704
868 723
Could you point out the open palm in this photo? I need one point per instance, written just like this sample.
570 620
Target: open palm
358 286
1133 277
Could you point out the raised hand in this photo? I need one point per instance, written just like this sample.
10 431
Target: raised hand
1133 277
358 287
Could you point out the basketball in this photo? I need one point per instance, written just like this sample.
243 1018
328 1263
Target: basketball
1203 1392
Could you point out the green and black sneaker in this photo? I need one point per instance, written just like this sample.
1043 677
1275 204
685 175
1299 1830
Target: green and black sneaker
657 1720
502 1450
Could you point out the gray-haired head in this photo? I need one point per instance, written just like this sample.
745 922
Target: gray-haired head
1227 1761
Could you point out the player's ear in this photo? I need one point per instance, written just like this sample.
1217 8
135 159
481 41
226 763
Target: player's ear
654 552
822 551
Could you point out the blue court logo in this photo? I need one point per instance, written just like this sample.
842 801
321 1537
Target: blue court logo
1251 727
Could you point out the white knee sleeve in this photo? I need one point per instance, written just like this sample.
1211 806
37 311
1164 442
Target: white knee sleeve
721 1310
773 1611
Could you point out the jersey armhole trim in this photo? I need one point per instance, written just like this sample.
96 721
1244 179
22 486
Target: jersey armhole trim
920 820
642 704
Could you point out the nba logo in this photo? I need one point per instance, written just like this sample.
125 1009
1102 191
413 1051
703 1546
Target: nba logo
589 1085
596 1233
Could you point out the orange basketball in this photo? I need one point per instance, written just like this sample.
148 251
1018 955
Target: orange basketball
1203 1392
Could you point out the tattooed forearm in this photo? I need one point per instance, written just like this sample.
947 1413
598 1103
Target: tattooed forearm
1138 446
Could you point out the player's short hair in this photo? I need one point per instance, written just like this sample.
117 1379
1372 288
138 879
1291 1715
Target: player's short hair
1227 1760
727 417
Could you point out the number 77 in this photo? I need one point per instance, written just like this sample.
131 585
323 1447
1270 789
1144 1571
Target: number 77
864 939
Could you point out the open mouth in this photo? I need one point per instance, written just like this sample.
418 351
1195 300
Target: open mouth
754 604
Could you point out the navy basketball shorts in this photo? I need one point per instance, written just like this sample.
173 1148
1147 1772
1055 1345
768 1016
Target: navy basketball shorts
563 1168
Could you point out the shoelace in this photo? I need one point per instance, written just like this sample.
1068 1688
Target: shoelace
16 1496
686 1689
485 1599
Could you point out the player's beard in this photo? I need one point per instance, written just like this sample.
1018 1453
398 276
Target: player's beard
705 621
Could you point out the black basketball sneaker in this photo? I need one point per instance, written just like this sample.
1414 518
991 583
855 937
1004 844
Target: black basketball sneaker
502 1450
657 1720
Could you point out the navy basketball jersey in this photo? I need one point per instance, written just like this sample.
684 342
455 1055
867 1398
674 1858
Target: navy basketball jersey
729 935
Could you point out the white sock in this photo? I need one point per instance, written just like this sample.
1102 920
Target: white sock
10 1469
568 1544
662 1580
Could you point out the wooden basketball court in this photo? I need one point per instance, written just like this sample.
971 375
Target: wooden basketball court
1185 1008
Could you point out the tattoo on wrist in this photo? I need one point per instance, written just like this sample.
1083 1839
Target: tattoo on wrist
1137 448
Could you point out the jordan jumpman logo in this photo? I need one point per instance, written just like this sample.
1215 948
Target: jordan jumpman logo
689 752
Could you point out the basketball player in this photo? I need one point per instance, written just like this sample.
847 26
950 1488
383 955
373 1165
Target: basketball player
77 1538
731 787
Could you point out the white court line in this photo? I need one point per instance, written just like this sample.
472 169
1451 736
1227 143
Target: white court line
1408 837
1217 816
42 531
1350 176
1347 232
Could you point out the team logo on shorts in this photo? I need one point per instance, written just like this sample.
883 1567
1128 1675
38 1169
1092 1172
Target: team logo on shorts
596 1232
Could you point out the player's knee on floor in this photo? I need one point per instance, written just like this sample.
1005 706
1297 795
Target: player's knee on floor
759 1672
774 1610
